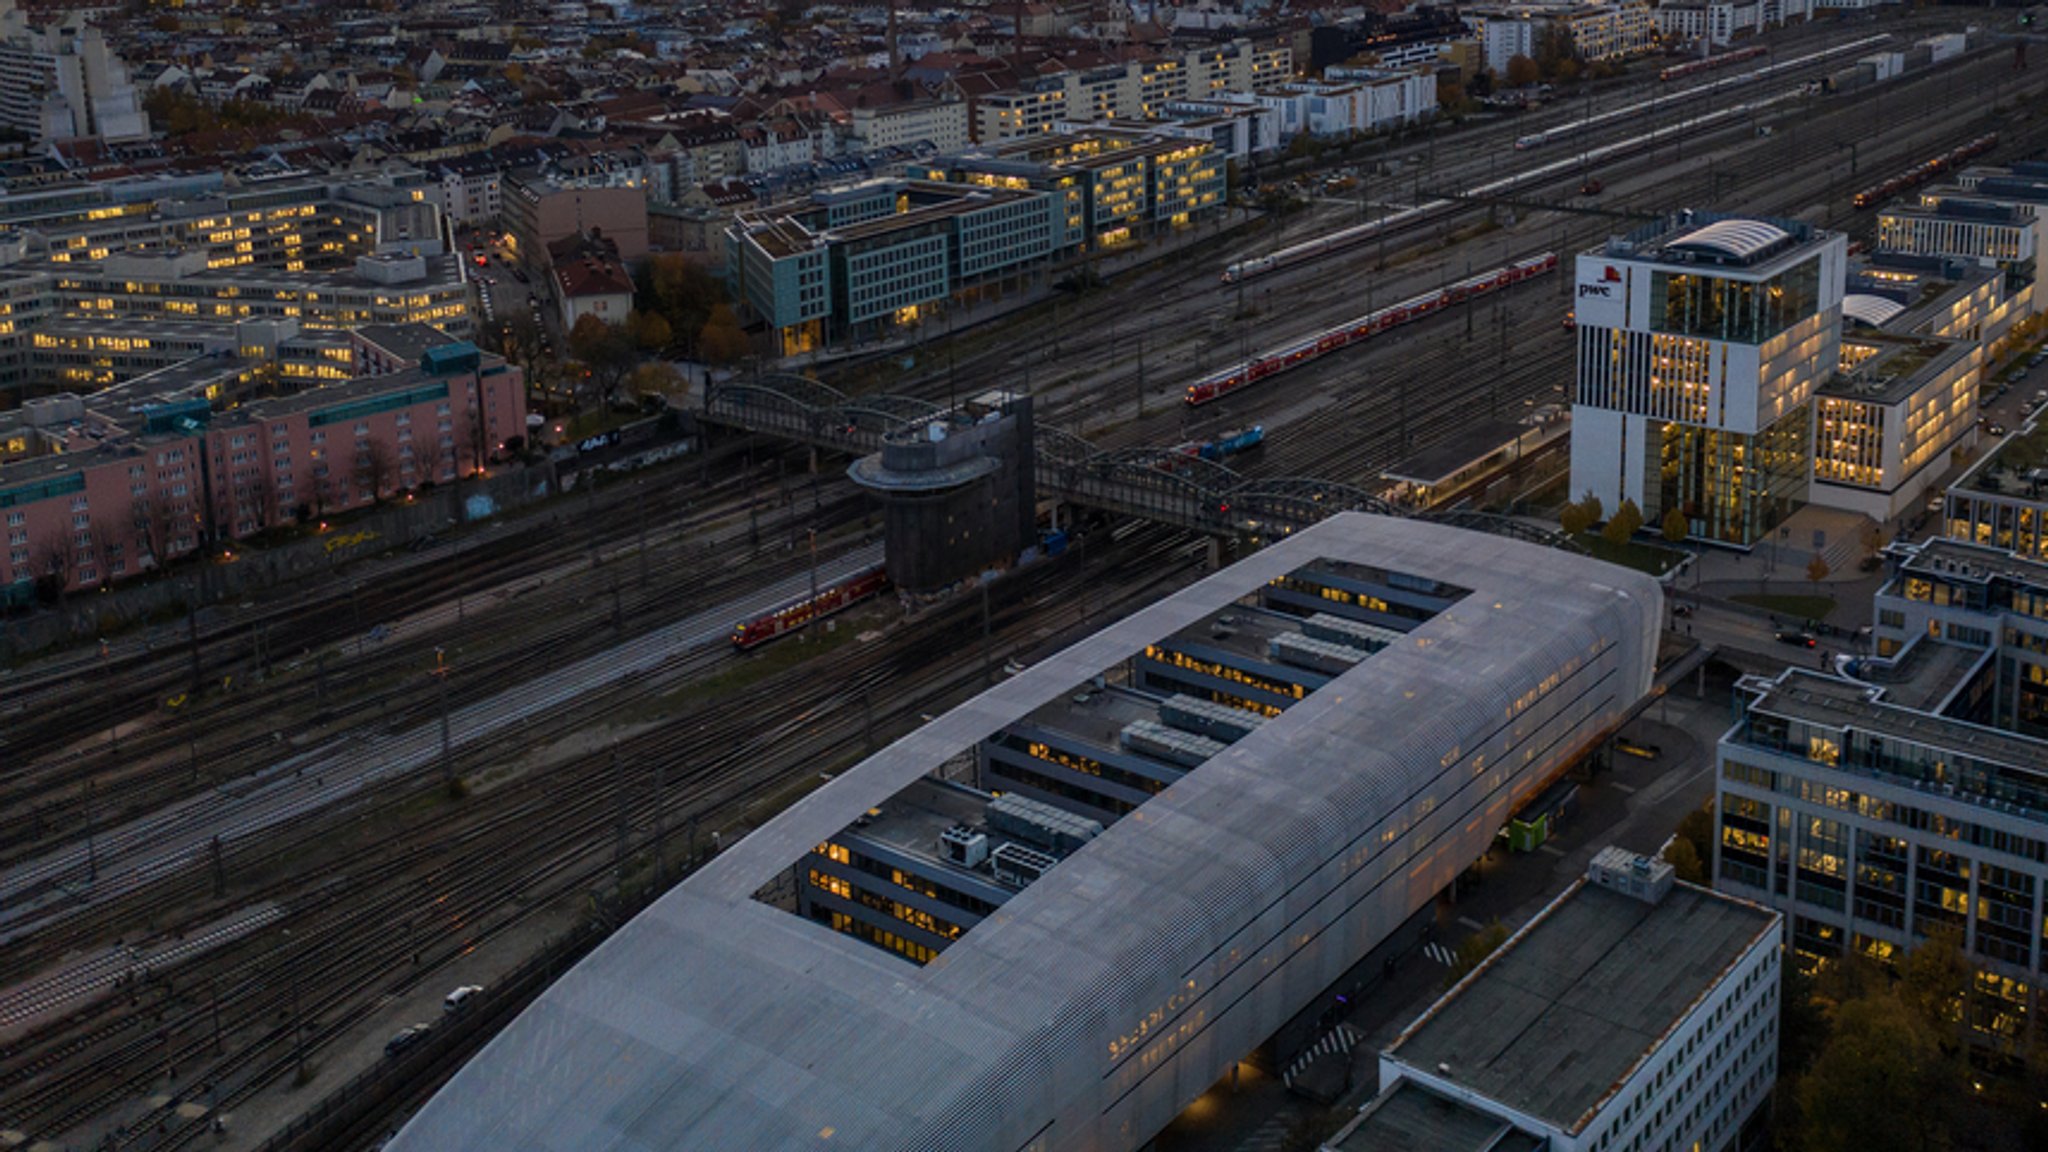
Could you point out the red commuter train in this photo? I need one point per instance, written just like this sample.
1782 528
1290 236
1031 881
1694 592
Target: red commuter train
1365 327
1709 63
841 593
1926 170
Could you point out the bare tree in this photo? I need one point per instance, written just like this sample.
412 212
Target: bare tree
259 493
479 447
517 338
429 458
376 465
108 545
153 520
53 564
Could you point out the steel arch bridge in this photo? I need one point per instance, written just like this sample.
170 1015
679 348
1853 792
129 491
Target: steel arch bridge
1162 484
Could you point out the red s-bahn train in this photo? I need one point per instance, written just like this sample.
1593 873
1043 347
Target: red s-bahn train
1708 64
1364 328
840 594
1926 170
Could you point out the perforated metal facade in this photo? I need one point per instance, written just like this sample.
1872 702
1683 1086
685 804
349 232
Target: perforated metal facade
1094 1005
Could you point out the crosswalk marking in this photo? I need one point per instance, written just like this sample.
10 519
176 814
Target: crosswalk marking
1338 1041
1440 954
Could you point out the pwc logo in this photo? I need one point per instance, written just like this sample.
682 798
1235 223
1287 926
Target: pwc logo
1604 289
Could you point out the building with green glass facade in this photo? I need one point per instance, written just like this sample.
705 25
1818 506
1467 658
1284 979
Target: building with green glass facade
864 261
1703 340
861 261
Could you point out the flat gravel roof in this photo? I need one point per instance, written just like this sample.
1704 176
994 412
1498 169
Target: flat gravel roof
1558 1018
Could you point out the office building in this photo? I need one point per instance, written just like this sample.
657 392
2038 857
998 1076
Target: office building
1354 100
940 123
864 260
1703 340
905 960
1713 22
1633 1014
292 222
2003 236
1913 790
1888 425
879 255
2002 501
1598 30
1988 600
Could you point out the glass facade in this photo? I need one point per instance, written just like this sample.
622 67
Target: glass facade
1744 311
1732 487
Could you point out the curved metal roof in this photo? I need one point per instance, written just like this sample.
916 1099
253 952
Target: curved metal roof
1094 1004
1875 311
1741 239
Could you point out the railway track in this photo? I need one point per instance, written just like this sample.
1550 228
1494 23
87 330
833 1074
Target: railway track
49 791
549 831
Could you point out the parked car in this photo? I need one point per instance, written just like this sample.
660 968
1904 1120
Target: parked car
460 997
406 1038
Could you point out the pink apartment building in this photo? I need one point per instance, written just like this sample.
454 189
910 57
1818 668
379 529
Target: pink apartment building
117 492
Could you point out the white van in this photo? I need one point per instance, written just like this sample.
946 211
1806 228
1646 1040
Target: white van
459 997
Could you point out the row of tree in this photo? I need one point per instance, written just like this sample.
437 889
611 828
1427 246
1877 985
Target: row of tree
681 310
1883 1058
1581 515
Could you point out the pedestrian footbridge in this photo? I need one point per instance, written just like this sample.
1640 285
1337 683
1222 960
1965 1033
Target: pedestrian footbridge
1152 483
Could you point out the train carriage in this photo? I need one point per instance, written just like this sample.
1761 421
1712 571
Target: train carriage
834 597
1222 383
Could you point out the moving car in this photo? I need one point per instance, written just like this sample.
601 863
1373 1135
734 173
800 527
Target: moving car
1798 639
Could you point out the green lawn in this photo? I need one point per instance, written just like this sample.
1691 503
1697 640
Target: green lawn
1799 607
1633 554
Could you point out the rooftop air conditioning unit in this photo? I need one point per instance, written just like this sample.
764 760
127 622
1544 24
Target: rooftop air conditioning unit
964 846
1016 865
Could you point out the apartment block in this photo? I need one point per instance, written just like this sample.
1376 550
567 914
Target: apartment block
112 485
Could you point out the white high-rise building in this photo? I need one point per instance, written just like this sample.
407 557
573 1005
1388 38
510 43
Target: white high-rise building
64 82
1702 339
